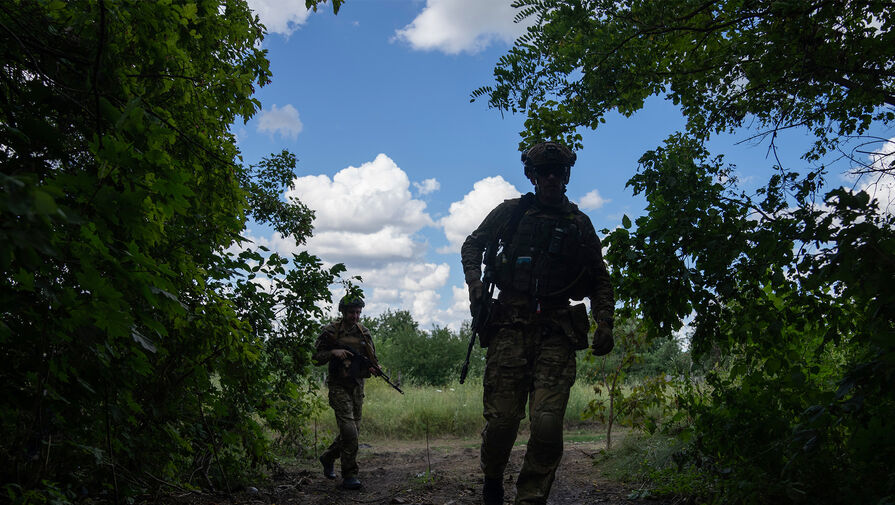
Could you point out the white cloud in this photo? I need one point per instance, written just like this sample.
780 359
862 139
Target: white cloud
366 218
284 121
366 249
464 216
411 286
427 186
280 16
881 184
592 200
460 303
455 26
365 200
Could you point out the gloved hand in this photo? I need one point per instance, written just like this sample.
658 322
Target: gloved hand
603 341
475 287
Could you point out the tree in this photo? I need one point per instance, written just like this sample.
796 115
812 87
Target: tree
138 346
422 357
786 282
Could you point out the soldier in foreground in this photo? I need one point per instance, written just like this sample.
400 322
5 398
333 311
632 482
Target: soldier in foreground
345 381
541 252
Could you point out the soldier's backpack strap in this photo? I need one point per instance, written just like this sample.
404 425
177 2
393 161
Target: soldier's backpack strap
507 232
368 341
334 337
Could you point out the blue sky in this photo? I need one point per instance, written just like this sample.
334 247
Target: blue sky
397 163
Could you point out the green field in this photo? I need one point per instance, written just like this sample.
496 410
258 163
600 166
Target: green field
454 410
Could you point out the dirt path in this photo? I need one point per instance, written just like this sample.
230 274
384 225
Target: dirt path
397 474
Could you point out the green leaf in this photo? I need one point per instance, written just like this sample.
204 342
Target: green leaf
44 204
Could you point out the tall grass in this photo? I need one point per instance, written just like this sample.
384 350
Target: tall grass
454 410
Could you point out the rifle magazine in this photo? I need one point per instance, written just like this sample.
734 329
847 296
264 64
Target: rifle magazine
491 324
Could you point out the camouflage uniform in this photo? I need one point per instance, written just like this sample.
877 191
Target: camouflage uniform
533 331
346 392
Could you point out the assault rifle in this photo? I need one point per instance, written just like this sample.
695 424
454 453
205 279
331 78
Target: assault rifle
482 306
358 360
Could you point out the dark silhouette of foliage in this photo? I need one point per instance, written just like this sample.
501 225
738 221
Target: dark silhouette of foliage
139 347
789 286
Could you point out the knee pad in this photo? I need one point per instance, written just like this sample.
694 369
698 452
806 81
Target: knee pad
546 427
348 432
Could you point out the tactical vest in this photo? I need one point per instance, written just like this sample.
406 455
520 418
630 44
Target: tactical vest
351 369
543 259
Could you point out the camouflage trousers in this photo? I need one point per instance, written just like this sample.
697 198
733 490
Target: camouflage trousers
347 402
527 362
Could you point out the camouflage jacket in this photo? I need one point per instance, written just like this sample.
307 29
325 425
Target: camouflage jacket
334 336
583 262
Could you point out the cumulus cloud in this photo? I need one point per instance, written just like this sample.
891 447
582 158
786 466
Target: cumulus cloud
592 201
280 16
365 249
412 287
427 186
455 26
365 200
366 218
881 183
464 216
284 121
424 308
460 300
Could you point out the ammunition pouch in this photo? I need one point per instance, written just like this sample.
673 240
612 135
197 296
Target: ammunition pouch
338 369
359 368
572 320
497 312
576 325
352 368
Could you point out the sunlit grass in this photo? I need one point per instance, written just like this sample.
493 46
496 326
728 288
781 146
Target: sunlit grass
454 410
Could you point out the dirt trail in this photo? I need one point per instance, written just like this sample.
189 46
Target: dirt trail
397 474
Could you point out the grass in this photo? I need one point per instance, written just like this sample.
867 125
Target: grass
584 437
454 410
648 462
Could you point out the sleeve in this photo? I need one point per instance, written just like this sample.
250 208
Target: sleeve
323 345
371 348
472 251
600 292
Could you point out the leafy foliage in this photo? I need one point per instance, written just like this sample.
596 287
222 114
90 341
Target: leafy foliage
824 65
641 403
788 286
422 357
139 344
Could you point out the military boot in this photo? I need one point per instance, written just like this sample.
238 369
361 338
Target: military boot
329 470
351 483
492 492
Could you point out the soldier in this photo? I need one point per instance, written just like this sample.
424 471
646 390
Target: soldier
345 381
545 253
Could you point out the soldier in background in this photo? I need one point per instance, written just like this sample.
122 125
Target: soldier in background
345 381
545 253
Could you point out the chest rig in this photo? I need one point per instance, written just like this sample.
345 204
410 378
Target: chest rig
358 341
542 258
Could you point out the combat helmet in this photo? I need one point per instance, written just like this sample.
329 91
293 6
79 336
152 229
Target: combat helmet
548 154
349 301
